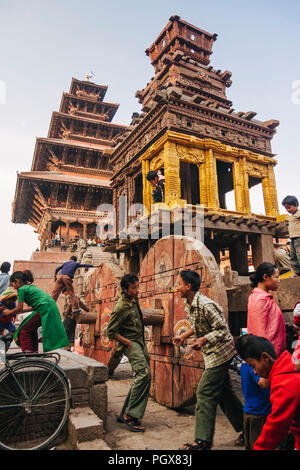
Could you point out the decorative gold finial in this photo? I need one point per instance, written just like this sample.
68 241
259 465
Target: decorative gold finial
88 76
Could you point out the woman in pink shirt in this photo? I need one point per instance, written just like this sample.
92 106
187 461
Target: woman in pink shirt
264 315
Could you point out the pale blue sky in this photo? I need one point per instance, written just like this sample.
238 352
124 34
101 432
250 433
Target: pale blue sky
43 44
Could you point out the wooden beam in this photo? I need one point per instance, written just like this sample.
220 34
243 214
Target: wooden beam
37 208
87 318
40 195
153 316
215 217
228 218
38 203
262 223
251 221
35 216
33 223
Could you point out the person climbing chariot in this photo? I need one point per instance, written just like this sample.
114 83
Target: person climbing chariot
44 313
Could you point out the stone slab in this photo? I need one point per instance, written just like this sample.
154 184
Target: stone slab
98 401
96 371
84 425
97 444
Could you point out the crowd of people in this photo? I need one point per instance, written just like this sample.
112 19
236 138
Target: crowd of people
270 416
73 244
19 296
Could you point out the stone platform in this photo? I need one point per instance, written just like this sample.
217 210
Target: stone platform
166 429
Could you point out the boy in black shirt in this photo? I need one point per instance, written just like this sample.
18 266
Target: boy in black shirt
158 193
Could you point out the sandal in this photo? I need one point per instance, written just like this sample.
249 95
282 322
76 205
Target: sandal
120 419
240 441
200 445
134 425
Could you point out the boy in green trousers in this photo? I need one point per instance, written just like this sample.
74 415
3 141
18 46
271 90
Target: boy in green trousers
212 336
126 326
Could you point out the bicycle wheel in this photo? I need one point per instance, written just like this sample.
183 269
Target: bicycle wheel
34 404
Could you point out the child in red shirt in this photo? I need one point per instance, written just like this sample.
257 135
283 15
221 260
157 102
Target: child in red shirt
7 302
284 383
296 354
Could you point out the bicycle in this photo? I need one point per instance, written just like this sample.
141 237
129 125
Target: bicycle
35 398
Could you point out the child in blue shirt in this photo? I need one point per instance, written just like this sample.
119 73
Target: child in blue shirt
257 406
7 302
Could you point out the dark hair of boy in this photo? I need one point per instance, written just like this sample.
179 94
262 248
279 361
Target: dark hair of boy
24 276
191 277
151 175
290 201
74 258
251 346
128 279
263 268
5 267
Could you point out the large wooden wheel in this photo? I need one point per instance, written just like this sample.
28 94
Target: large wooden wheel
176 371
101 293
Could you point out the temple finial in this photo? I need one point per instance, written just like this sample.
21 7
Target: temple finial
89 76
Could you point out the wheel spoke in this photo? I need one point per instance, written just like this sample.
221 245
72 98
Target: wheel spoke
63 400
37 392
16 405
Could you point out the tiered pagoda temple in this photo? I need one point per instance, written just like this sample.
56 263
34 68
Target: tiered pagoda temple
189 129
71 170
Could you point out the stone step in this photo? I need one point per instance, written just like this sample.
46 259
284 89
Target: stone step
84 426
98 254
97 444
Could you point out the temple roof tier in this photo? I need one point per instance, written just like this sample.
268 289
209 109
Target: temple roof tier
89 107
195 82
53 153
66 126
179 35
175 112
48 176
87 89
38 191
